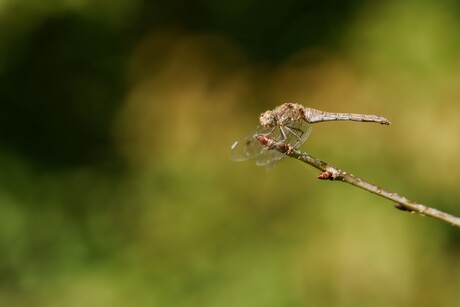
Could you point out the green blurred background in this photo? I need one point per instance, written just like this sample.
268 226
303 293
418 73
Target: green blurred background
116 119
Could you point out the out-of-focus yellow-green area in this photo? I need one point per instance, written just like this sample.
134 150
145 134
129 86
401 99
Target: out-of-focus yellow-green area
116 187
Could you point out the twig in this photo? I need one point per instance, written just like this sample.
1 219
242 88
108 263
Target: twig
330 172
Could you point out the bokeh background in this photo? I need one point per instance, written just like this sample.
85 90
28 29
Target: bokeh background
116 119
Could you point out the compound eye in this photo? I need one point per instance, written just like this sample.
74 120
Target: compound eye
267 119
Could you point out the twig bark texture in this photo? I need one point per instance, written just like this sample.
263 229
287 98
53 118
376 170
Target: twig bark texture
330 172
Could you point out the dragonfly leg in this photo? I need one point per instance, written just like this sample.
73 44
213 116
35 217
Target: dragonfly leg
298 136
283 134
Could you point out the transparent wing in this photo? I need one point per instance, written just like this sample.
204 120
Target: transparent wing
270 157
249 148
295 134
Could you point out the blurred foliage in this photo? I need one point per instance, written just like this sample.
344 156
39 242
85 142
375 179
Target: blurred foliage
115 123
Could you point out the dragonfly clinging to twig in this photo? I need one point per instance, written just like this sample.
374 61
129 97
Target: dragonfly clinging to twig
288 123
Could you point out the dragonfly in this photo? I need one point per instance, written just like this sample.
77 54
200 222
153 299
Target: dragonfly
289 123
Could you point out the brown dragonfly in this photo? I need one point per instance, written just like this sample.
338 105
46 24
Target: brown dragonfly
289 123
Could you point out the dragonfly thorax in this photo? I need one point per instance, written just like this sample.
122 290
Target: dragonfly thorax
284 115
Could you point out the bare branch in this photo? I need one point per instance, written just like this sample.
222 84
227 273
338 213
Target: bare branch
330 172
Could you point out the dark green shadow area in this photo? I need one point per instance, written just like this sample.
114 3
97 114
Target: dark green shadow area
60 90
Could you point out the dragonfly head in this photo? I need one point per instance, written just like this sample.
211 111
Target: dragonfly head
268 119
